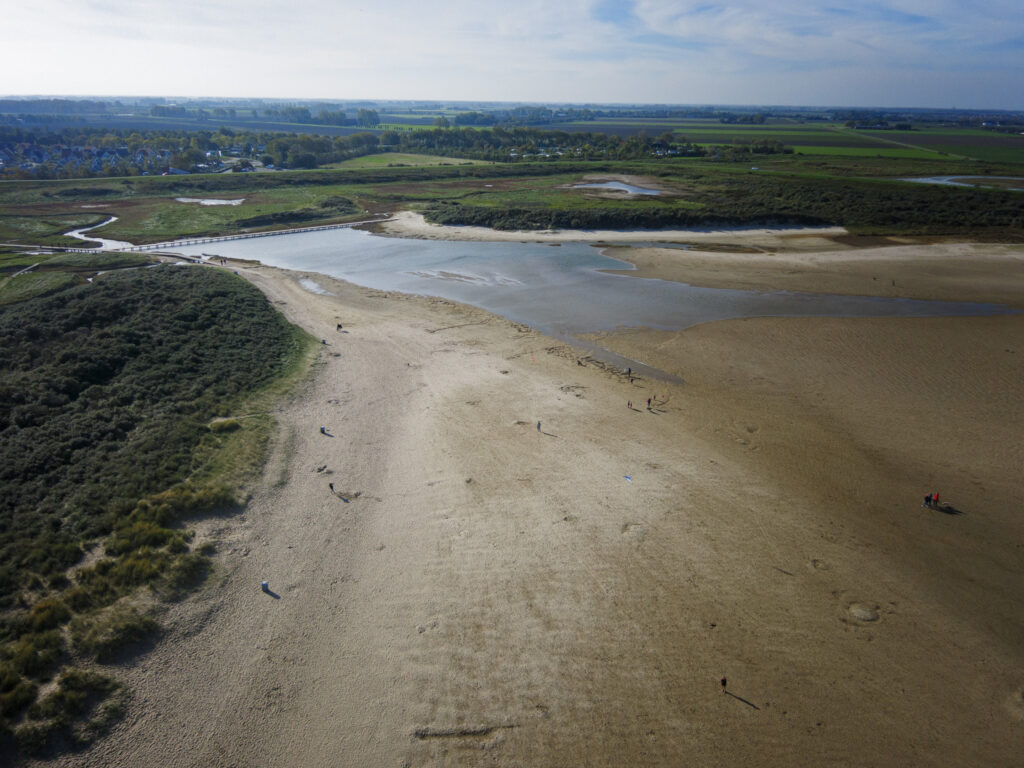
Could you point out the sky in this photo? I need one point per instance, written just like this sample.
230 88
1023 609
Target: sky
967 54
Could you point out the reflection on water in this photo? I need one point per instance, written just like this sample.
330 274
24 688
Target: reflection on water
560 291
210 200
105 245
972 181
619 186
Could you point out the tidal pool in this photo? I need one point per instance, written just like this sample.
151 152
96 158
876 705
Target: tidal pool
560 291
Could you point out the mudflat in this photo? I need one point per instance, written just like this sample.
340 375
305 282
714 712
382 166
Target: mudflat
515 568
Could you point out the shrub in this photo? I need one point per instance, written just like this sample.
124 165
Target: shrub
48 613
15 693
106 633
35 655
81 697
77 690
137 535
186 572
105 396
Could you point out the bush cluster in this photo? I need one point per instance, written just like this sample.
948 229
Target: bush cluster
106 394
768 200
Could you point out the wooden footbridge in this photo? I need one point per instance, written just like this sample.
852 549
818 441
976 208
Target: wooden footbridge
171 245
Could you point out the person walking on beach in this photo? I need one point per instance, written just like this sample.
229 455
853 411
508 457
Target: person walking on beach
538 426
648 403
927 501
629 405
331 486
935 500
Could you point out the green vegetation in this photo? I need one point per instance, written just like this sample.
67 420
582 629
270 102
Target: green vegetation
872 151
402 159
106 633
82 706
148 212
850 187
33 227
21 287
108 397
52 274
861 206
707 195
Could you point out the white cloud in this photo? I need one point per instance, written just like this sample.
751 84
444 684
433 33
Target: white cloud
578 50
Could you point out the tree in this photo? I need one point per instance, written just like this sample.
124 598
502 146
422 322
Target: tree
367 118
304 160
441 122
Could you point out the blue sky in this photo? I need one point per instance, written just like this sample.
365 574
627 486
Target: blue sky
920 53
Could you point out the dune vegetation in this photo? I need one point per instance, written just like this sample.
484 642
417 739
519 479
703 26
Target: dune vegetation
108 395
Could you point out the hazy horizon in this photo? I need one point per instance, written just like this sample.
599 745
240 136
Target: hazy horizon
910 53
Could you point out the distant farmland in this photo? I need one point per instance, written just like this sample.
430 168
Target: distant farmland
827 138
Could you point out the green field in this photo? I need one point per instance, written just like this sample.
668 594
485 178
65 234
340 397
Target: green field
399 159
990 154
874 151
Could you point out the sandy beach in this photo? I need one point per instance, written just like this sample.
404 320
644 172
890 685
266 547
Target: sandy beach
517 569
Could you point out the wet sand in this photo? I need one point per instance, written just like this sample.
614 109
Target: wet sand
506 595
937 271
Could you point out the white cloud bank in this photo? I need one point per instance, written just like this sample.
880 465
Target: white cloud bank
910 53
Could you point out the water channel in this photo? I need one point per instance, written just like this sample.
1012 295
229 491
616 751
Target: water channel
618 186
972 181
105 245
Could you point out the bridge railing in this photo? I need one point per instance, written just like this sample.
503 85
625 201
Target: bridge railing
244 236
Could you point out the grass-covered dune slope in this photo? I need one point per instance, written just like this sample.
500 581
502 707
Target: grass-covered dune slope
116 405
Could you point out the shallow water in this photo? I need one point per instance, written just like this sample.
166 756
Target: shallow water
958 181
621 186
210 200
560 291
314 287
105 245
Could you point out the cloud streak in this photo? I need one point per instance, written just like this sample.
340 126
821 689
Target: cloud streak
907 52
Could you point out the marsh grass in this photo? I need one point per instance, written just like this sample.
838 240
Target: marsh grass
46 227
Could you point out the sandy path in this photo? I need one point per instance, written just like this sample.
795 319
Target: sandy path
506 596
